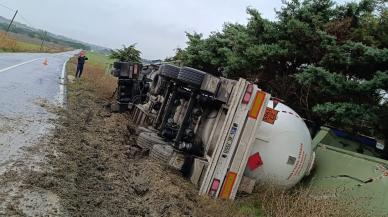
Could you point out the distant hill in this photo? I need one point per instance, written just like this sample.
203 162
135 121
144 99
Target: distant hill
22 29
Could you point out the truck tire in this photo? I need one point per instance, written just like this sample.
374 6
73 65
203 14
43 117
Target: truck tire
162 153
146 140
170 71
193 77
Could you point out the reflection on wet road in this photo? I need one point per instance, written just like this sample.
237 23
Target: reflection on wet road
27 86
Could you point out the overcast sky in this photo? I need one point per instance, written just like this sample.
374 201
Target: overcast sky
157 26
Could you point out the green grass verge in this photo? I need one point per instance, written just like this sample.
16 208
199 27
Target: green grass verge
95 76
251 208
98 60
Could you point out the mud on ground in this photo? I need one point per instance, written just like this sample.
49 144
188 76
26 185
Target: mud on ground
92 167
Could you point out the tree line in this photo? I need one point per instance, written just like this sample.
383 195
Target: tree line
327 61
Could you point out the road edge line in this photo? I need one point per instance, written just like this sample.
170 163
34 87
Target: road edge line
20 64
62 84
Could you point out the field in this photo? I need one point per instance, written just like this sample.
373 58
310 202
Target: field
11 43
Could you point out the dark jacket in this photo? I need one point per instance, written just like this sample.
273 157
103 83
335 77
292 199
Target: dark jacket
81 60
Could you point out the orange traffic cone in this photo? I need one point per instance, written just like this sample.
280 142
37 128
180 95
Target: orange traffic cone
45 62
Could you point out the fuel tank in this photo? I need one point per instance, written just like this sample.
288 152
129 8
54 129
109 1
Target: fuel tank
283 153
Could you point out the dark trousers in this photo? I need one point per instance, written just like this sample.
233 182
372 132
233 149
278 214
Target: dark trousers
80 69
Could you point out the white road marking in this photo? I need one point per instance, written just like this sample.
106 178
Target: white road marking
62 94
20 64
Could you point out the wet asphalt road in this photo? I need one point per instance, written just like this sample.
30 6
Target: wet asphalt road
27 88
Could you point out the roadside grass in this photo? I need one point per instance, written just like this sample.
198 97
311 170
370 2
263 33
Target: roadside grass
99 59
11 44
96 75
300 201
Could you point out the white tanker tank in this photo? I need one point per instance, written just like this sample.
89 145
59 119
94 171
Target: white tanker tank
278 151
282 153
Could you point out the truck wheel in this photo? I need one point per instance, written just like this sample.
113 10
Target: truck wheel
161 153
169 71
146 140
191 76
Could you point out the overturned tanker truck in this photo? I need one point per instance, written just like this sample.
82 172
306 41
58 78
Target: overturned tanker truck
227 136
224 135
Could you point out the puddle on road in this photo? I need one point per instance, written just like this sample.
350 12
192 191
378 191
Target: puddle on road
21 152
20 133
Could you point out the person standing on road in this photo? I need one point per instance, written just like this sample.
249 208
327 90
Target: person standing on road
81 62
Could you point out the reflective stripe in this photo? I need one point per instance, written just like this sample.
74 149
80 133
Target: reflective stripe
257 104
228 185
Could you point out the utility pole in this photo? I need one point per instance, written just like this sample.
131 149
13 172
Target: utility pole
9 26
44 39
